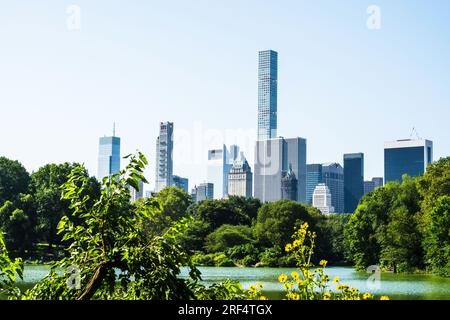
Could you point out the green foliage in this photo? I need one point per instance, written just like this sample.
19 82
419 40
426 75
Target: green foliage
331 244
276 221
9 271
244 254
275 257
228 236
437 239
14 180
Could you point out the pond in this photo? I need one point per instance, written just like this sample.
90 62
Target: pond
396 286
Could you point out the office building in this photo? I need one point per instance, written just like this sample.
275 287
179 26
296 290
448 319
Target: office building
267 94
273 158
108 156
234 154
204 191
373 184
313 178
240 179
322 199
217 171
378 182
289 185
333 177
137 194
353 180
410 157
182 183
164 153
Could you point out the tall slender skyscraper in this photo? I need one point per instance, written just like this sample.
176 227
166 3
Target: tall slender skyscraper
353 180
164 161
217 171
108 156
267 94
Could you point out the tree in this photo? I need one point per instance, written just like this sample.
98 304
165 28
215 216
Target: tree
227 236
14 179
437 238
50 207
219 212
331 235
276 221
245 206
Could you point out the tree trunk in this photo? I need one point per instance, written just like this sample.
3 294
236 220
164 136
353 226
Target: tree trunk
95 282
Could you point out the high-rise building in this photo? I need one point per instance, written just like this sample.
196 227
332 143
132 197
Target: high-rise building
289 185
333 177
267 94
322 199
369 186
410 157
217 171
234 154
373 184
108 156
353 180
378 182
204 191
240 179
273 158
313 178
164 153
182 183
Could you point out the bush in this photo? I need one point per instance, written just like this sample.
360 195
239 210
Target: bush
228 236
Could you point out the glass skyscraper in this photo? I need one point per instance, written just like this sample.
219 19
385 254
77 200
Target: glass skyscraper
353 180
217 171
164 153
267 94
410 157
180 182
313 178
108 157
333 177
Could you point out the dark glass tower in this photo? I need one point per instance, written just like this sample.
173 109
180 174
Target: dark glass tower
353 180
313 178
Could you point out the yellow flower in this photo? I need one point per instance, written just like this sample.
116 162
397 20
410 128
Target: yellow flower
297 243
367 296
326 296
288 247
282 278
342 286
323 263
263 298
336 279
288 285
294 296
353 290
295 275
299 281
384 298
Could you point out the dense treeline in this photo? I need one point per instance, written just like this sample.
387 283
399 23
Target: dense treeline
404 227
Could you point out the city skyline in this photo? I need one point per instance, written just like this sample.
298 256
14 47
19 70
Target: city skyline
318 88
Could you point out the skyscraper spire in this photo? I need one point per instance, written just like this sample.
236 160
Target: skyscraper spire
114 129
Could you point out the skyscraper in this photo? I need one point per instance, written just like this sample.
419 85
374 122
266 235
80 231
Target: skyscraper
410 157
289 185
373 184
272 160
182 183
164 153
313 178
333 177
204 191
353 180
322 199
378 182
240 179
137 194
108 156
217 171
267 94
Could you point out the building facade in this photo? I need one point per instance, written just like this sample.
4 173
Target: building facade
217 171
267 94
108 157
205 191
137 194
313 178
273 158
410 157
240 179
289 185
353 180
164 154
333 177
182 183
322 199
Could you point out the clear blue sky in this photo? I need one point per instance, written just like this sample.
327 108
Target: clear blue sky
342 86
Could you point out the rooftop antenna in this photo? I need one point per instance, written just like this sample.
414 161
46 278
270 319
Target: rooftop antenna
414 131
114 129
